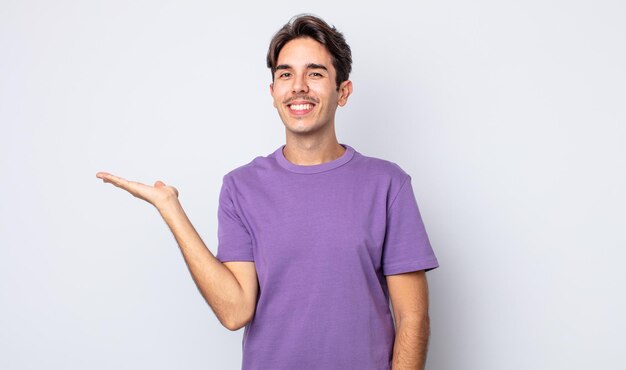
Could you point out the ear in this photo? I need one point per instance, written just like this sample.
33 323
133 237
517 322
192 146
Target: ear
345 89
272 93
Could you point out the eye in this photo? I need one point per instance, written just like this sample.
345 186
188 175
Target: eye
316 74
284 75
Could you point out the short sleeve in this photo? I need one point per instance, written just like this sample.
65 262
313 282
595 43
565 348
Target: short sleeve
406 247
234 241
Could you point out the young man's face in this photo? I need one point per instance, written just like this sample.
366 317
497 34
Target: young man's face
304 88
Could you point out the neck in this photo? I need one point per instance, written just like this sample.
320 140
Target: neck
310 152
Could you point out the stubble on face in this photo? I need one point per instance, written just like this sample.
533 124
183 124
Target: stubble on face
304 88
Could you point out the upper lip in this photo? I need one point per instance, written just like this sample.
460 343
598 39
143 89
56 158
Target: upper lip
300 100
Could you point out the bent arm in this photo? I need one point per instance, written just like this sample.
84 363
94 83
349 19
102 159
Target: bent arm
230 291
217 284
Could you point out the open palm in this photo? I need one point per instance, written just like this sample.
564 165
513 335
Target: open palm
158 194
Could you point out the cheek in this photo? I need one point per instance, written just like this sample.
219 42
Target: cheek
277 96
276 101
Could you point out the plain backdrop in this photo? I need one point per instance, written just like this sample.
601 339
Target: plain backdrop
509 116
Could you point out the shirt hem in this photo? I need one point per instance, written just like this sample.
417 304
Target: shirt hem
426 265
234 258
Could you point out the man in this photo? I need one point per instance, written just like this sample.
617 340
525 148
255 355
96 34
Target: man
314 238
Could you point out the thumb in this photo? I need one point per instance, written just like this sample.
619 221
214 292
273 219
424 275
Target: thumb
160 184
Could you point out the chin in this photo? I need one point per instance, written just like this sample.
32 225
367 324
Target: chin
304 129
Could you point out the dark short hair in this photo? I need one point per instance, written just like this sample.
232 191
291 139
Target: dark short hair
306 25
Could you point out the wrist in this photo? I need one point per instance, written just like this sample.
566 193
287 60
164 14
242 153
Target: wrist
168 206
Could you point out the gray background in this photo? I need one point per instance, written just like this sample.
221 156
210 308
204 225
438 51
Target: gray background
509 116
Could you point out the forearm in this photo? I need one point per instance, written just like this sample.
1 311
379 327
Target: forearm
411 344
216 283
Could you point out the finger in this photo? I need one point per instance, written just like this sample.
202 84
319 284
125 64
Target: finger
107 177
133 187
101 174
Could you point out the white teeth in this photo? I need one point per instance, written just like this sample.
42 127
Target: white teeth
301 106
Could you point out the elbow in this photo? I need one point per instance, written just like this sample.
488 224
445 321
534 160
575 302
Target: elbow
230 324
234 323
237 314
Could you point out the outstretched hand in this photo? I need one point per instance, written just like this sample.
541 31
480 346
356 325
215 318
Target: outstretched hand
157 195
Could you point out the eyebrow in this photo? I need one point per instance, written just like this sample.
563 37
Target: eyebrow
308 66
316 66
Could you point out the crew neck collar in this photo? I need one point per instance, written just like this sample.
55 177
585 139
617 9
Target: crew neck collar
315 168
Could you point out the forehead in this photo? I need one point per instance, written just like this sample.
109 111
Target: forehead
302 51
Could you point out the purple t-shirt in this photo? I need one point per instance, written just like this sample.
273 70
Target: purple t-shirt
322 237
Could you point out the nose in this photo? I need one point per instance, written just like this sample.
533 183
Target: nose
300 84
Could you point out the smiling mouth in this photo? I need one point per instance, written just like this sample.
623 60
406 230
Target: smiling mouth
300 109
